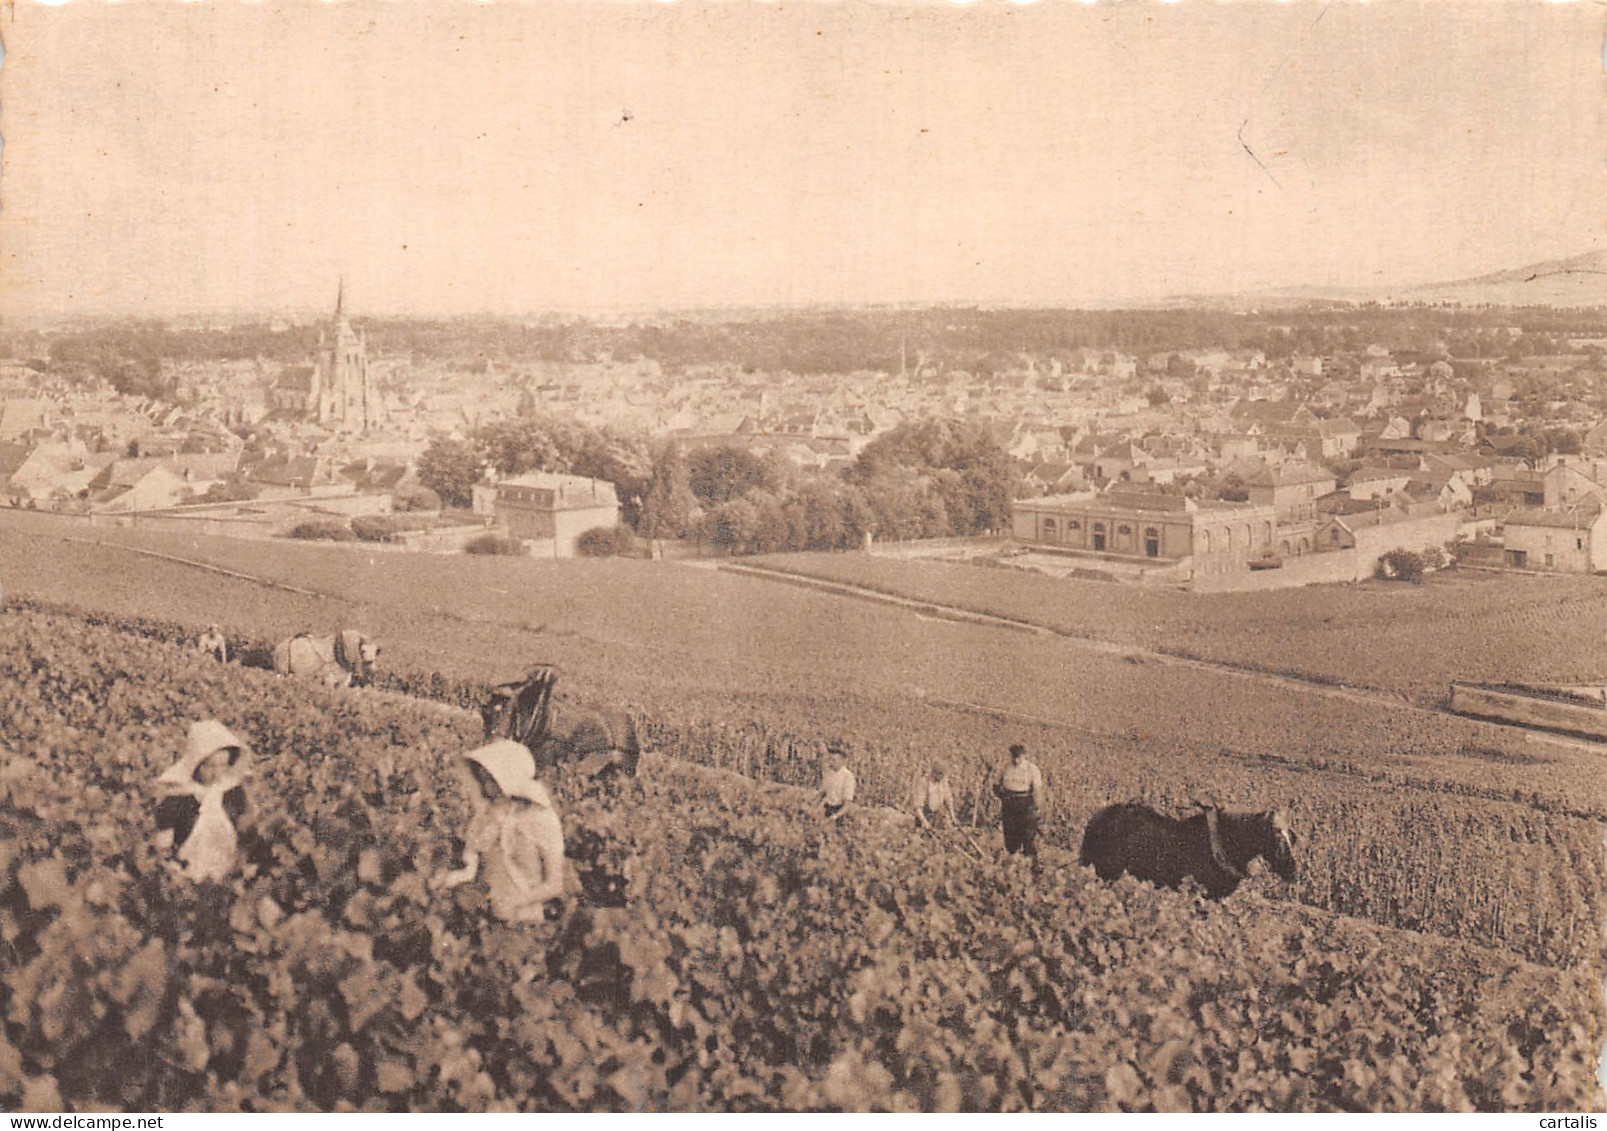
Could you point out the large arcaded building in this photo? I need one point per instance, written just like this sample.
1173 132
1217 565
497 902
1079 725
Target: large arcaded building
1218 537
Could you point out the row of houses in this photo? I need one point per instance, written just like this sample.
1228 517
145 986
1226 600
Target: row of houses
69 475
1554 519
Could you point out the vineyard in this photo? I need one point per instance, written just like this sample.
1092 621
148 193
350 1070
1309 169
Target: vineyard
1405 639
701 642
718 949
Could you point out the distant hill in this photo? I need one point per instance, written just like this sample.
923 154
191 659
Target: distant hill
1579 280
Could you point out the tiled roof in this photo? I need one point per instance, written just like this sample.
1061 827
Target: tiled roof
1574 518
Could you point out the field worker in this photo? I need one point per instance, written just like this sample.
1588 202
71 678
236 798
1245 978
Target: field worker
214 644
838 785
202 799
1020 791
516 843
934 800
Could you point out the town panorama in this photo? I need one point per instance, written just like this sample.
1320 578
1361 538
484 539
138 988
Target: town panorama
1207 448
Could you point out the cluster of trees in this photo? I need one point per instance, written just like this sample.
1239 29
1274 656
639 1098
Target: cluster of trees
450 467
137 373
1532 443
988 341
975 340
933 479
154 342
927 480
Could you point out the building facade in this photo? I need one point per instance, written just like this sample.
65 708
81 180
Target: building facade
1216 537
544 508
1292 490
1568 541
1374 533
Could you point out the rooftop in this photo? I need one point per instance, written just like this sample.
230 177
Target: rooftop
1571 519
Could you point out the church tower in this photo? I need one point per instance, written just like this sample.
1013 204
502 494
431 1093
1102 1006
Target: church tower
346 398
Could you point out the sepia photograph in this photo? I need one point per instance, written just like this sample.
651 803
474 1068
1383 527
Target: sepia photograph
775 556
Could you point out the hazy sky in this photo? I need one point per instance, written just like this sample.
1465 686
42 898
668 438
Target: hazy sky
526 157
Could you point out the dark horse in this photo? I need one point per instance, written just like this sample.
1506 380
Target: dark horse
523 710
1213 847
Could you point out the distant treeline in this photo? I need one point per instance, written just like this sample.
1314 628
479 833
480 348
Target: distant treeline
975 340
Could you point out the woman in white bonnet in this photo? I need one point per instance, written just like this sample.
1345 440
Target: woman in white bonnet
202 800
516 842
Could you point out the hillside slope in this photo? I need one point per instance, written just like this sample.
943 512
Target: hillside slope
1406 822
715 949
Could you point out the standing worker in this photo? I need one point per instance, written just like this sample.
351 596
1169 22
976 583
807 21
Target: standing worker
1020 791
214 644
838 784
934 801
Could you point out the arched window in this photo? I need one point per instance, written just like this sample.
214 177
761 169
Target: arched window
1152 542
1227 538
1051 530
1205 541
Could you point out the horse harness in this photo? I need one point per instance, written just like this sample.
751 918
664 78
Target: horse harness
532 694
1218 854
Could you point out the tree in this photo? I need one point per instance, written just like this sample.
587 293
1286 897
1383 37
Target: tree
815 515
733 526
1401 565
449 468
416 497
493 543
616 457
718 475
232 488
966 478
1521 446
1564 441
670 509
604 542
137 377
526 444
1232 489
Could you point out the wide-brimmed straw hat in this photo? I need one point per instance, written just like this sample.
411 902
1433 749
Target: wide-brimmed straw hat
205 739
513 769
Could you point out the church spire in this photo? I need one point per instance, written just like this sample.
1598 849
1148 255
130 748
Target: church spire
340 301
